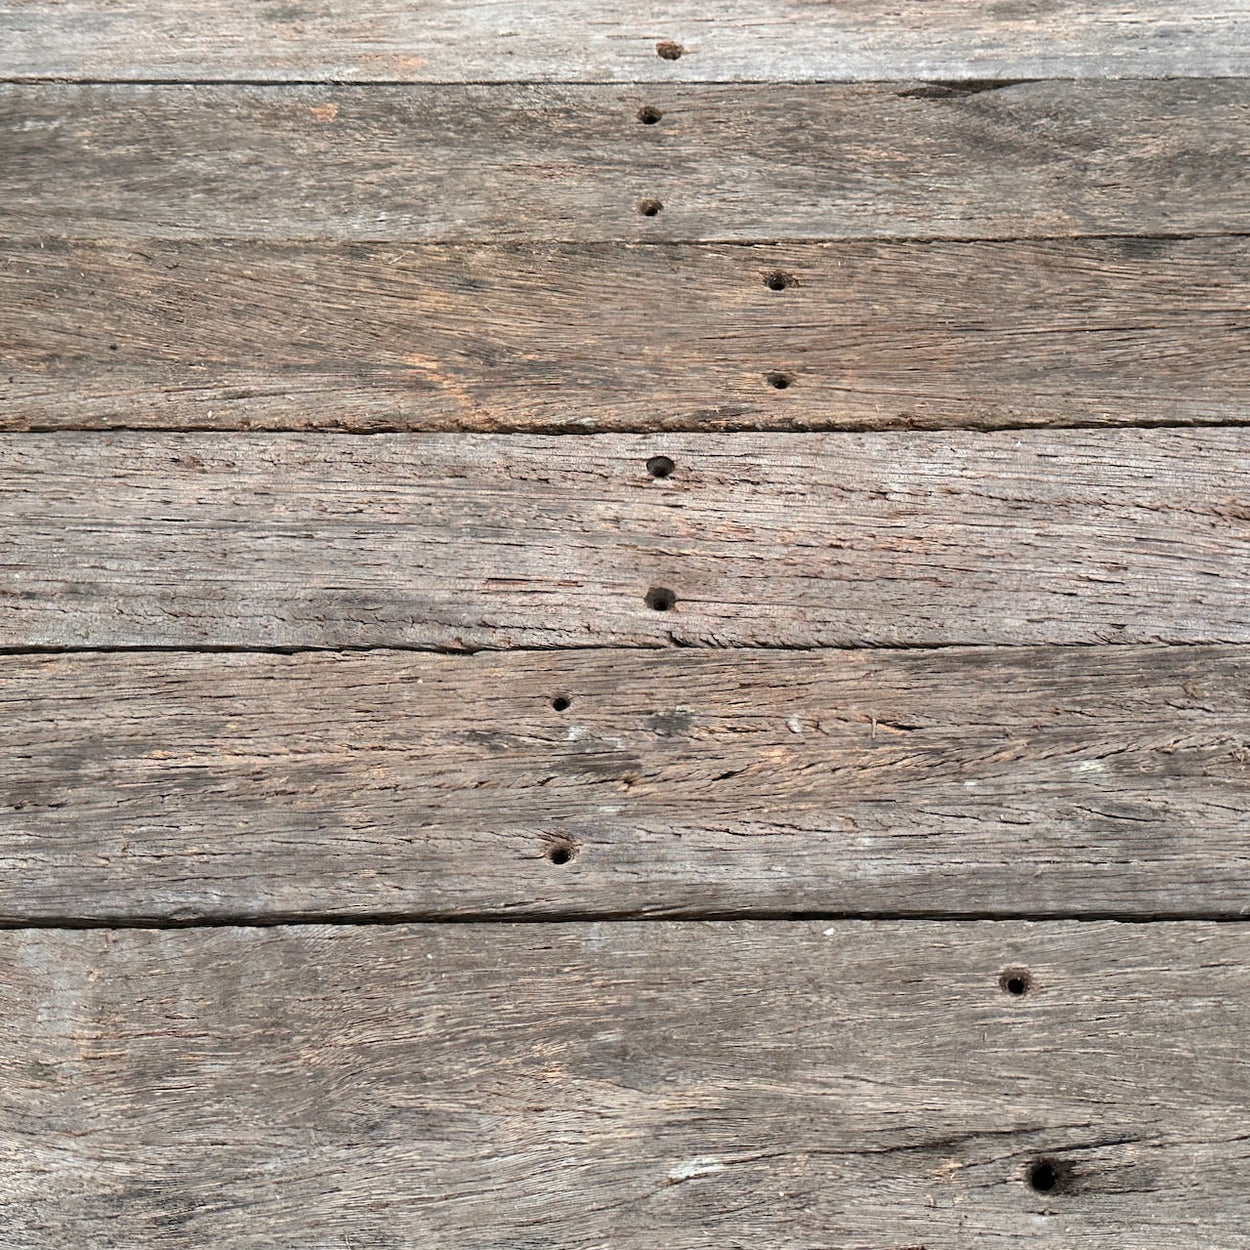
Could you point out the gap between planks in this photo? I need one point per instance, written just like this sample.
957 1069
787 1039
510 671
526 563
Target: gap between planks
559 430
536 650
384 920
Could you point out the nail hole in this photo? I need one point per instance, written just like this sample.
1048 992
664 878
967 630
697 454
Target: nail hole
649 116
559 854
1043 1176
661 600
660 466
778 381
650 208
667 50
560 703
778 281
1015 981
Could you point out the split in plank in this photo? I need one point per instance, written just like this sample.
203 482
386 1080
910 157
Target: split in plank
865 335
551 163
469 540
632 1085
451 41
182 787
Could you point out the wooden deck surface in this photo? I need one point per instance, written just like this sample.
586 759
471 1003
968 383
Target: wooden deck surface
624 628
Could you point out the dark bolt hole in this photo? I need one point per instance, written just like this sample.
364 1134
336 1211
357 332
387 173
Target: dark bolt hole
650 208
668 51
649 115
777 281
660 466
661 600
560 703
778 381
1043 1176
560 854
1015 981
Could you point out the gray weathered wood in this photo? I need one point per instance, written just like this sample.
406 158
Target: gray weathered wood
437 540
1051 781
627 1085
575 162
218 334
451 41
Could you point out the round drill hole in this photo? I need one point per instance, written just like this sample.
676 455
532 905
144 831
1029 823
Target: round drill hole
660 466
650 208
560 703
777 281
667 50
779 381
1015 981
661 600
1043 1176
560 854
649 115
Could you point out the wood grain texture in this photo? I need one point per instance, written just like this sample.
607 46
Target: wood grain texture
551 163
449 41
1054 781
583 337
466 541
695 1086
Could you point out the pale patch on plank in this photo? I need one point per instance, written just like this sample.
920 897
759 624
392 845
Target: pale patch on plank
702 1165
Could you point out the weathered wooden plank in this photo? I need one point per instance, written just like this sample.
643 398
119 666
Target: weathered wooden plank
449 41
870 334
445 540
1051 781
542 163
695 1086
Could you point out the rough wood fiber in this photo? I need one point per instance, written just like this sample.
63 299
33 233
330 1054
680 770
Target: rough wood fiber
872 334
564 162
450 41
633 1085
1055 781
472 540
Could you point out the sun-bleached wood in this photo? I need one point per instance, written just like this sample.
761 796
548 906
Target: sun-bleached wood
203 334
564 162
177 787
453 41
467 540
695 1086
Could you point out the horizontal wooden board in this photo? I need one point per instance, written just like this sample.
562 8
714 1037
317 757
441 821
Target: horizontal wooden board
469 540
543 163
633 1085
450 41
1051 781
196 334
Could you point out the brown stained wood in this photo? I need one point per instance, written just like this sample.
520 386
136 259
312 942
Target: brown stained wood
694 1086
575 337
550 163
465 541
450 41
1049 781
